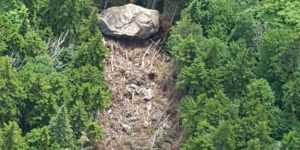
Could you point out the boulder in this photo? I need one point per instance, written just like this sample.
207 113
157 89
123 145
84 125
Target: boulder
130 21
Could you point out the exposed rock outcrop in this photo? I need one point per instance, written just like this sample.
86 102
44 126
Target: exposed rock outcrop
129 21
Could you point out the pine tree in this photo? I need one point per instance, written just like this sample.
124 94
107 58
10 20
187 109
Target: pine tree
60 129
258 99
94 130
1 138
79 118
89 49
40 104
202 139
184 41
291 98
12 138
223 138
254 144
11 92
279 57
87 84
291 141
38 138
239 69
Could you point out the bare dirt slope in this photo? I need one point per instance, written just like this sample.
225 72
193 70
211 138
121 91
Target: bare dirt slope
143 114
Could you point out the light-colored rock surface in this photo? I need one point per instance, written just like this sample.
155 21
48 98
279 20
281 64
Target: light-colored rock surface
129 21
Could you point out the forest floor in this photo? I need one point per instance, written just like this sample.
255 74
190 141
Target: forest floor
143 114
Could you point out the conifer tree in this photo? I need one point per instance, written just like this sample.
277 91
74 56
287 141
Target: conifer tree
291 141
40 104
254 144
38 138
60 129
202 138
223 138
291 98
79 118
12 138
11 92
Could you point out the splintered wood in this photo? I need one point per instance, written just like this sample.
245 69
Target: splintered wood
143 114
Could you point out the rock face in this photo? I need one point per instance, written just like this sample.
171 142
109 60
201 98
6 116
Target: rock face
130 21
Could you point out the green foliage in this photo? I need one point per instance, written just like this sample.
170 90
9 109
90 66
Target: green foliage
202 138
279 58
239 70
184 40
87 85
291 141
94 130
1 137
40 105
79 118
61 130
38 138
291 97
34 45
204 73
91 52
11 92
223 138
198 79
249 50
12 138
260 91
41 70
254 144
213 15
211 109
36 9
14 24
63 15
282 13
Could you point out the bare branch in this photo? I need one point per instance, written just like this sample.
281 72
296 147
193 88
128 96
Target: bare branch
16 61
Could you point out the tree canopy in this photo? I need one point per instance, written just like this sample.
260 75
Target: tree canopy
51 58
239 72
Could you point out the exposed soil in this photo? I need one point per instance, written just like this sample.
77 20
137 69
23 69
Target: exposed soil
143 114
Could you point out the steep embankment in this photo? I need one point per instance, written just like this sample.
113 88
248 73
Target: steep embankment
143 114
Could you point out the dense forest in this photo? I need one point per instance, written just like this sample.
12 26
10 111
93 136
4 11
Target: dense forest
239 71
237 65
51 82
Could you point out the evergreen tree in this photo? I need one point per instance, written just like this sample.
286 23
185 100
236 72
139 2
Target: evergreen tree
90 50
254 144
258 99
223 138
12 138
184 41
1 137
291 98
87 84
94 130
11 92
61 130
202 138
213 110
38 138
39 105
250 50
279 58
64 15
239 70
291 141
79 118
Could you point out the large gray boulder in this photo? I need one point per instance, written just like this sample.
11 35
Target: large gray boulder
129 21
